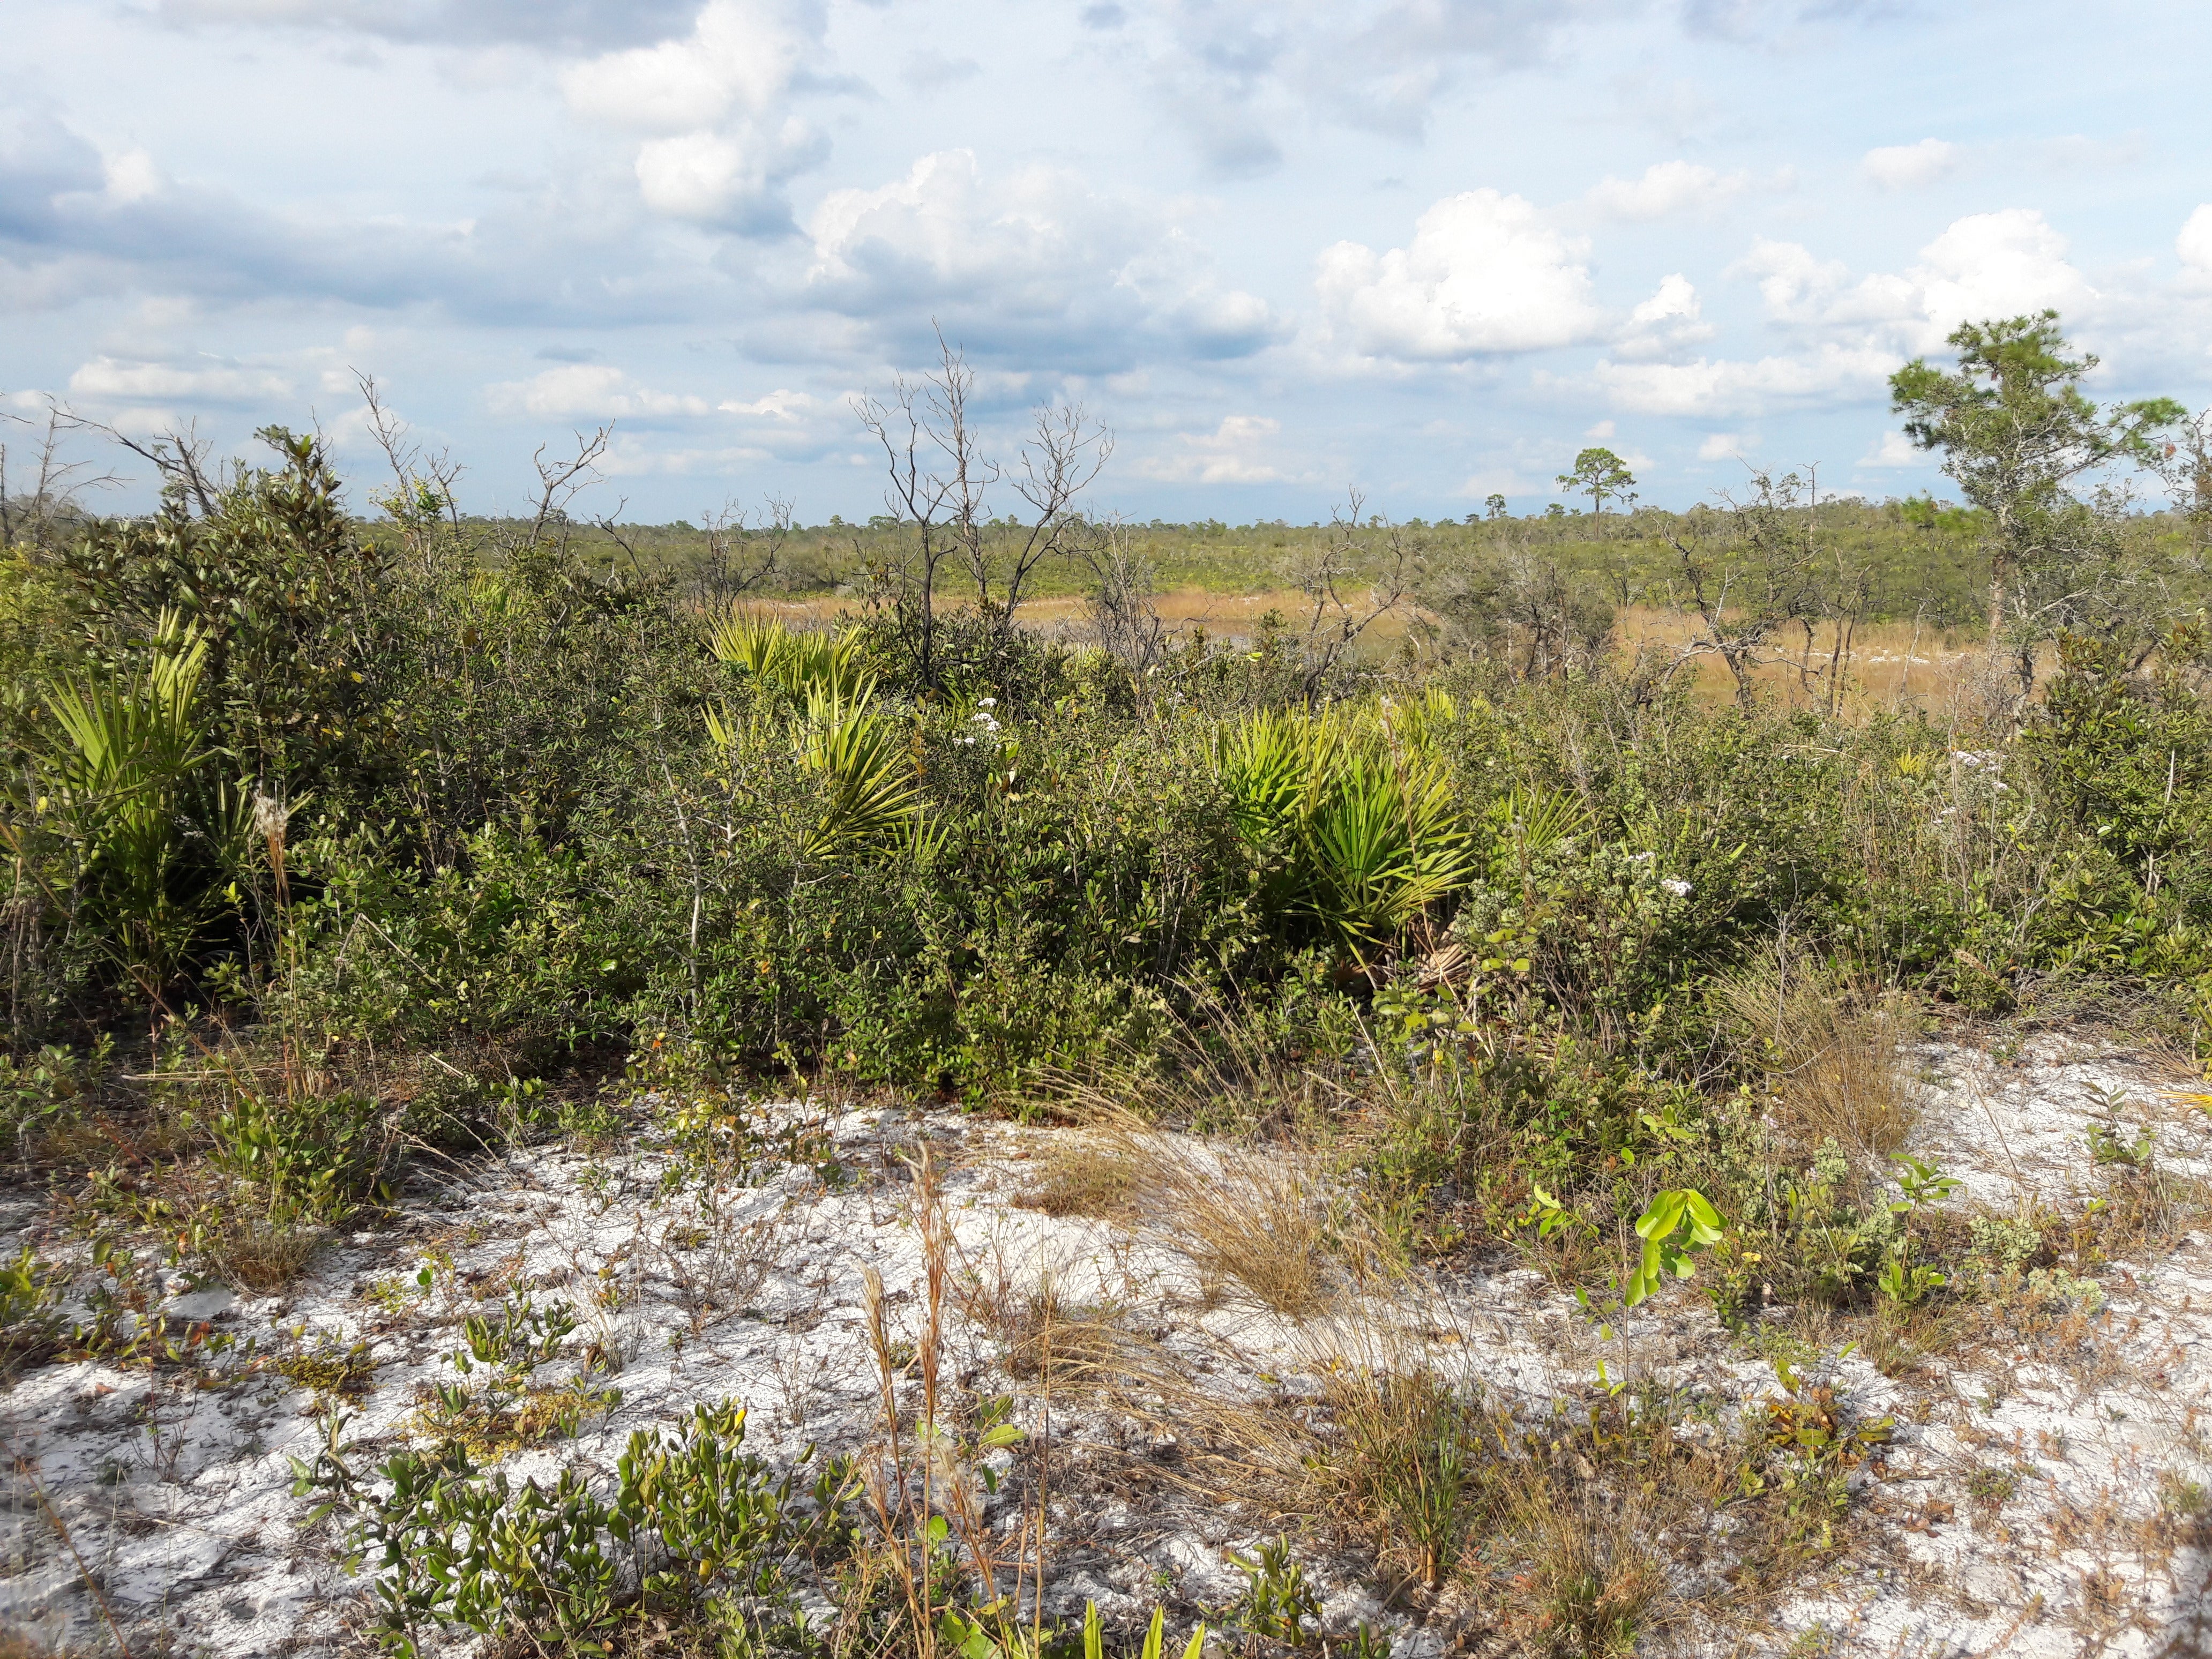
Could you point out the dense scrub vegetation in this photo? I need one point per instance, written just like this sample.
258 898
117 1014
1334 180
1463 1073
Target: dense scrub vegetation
364 834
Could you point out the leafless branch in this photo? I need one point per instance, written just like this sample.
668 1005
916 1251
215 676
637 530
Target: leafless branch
57 485
180 459
1123 617
743 552
563 477
422 484
1339 614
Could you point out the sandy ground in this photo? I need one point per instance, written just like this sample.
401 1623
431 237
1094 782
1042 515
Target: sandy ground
2017 1511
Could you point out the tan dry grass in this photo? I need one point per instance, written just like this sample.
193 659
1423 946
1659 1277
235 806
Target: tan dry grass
1833 1044
1884 666
1256 1219
1593 1580
1080 1177
260 1256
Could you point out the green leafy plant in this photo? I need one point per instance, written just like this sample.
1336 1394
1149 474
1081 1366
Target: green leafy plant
2109 1144
1676 1225
809 665
30 1309
497 1403
451 1547
1901 1279
52 1087
1364 833
1279 1604
127 775
316 1156
1921 1183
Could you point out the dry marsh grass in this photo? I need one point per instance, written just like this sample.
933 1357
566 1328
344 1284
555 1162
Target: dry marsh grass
1259 1221
1080 1178
1832 1044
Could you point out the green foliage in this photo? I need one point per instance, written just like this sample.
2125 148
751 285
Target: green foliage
30 1309
48 1089
276 576
1279 1604
1352 814
498 1404
691 1519
2016 430
128 779
1675 1226
316 1156
526 810
808 666
1598 473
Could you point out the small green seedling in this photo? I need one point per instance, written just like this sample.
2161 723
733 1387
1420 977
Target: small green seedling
1675 1226
1546 1213
1922 1183
1904 1283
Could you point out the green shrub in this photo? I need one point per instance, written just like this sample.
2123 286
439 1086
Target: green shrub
690 1519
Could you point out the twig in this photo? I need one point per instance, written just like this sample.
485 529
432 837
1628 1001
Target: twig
28 1469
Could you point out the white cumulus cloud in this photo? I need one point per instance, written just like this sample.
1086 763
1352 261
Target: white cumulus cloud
1986 265
1895 450
1242 450
711 176
590 391
1721 386
2194 244
740 57
1996 265
1037 249
720 96
1667 188
140 380
1668 325
1907 166
1483 273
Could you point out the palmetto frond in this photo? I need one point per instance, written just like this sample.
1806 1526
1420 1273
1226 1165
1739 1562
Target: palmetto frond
803 663
874 800
1365 830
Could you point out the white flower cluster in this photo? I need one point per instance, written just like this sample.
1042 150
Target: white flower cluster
984 718
1986 762
1675 885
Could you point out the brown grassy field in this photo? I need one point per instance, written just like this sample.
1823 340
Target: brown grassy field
1885 667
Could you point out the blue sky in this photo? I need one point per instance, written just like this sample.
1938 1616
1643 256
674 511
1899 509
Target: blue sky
1426 248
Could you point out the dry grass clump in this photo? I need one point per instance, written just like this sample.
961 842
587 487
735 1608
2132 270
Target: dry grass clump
1042 1334
260 1254
18 1642
1252 1218
1832 1042
1415 1467
1593 1581
1080 1177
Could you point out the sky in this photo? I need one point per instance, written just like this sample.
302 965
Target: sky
1426 249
